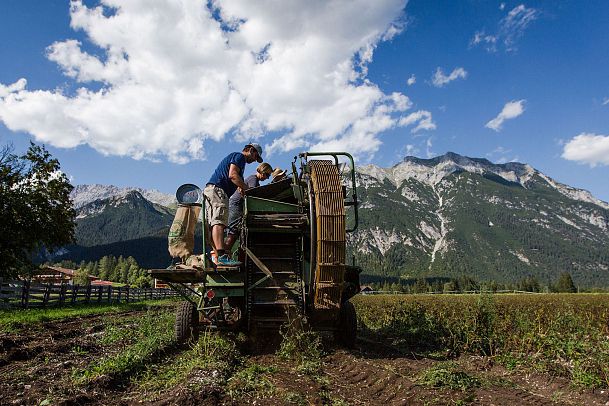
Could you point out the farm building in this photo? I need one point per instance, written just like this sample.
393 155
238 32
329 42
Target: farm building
56 275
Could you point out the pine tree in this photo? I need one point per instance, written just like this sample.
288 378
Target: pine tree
104 268
565 283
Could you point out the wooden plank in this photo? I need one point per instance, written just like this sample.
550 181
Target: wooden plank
25 294
258 263
62 294
74 293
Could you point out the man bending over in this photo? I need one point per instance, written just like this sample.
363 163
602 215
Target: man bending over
227 178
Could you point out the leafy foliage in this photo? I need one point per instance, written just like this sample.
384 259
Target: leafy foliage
565 284
448 375
35 208
109 268
566 335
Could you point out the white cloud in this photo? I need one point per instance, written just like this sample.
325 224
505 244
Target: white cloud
173 77
588 148
511 110
500 155
428 151
511 28
15 87
490 41
411 80
605 101
421 118
410 150
439 79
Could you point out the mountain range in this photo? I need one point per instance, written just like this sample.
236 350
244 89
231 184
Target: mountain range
445 217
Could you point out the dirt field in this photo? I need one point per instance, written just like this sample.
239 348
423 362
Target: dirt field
37 363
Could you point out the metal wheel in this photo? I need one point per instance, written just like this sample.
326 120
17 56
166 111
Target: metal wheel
346 333
187 320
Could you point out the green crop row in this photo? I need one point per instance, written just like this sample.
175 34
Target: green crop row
564 334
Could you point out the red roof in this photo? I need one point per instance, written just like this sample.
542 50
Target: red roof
65 271
101 283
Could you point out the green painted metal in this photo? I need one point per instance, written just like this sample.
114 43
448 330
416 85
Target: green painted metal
275 230
203 229
228 292
227 279
258 204
225 284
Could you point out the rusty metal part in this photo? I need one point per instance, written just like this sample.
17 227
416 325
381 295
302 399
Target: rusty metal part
330 234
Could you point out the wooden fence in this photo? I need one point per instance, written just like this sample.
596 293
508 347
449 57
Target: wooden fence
25 294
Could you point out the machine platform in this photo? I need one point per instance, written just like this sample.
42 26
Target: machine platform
187 274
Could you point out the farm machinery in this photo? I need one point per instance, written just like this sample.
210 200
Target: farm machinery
292 250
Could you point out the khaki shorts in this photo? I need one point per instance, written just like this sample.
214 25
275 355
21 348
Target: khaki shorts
216 205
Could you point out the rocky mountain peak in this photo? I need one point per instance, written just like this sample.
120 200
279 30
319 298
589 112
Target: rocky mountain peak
82 195
431 171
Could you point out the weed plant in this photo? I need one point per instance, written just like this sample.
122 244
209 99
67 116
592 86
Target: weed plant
563 334
209 362
152 334
448 375
302 347
251 381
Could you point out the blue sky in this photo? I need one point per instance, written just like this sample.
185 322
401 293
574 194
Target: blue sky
155 97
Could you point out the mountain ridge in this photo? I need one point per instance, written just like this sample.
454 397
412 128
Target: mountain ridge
84 194
448 163
449 216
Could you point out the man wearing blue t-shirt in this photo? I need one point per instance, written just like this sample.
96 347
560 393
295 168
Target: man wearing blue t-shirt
225 180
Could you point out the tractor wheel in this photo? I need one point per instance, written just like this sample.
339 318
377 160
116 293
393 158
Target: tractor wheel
347 325
187 319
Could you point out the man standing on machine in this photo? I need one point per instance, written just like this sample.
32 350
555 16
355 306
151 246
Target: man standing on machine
226 179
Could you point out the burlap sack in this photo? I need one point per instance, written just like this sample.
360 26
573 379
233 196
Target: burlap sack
182 232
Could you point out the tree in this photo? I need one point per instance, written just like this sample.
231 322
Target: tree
35 208
104 268
81 277
529 284
565 283
421 286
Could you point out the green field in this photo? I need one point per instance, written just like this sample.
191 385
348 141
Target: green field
561 334
12 319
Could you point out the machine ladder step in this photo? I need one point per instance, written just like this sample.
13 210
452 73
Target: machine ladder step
275 303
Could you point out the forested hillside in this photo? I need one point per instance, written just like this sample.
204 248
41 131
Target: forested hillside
436 218
444 218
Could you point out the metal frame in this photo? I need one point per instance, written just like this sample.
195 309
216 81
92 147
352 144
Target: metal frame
353 202
237 283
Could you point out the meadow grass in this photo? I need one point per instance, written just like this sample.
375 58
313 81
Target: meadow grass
563 334
143 339
13 319
209 361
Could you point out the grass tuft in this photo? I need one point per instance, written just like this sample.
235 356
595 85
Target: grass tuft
448 375
208 362
252 381
152 334
303 348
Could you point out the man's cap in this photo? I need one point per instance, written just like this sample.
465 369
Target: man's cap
258 148
277 172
